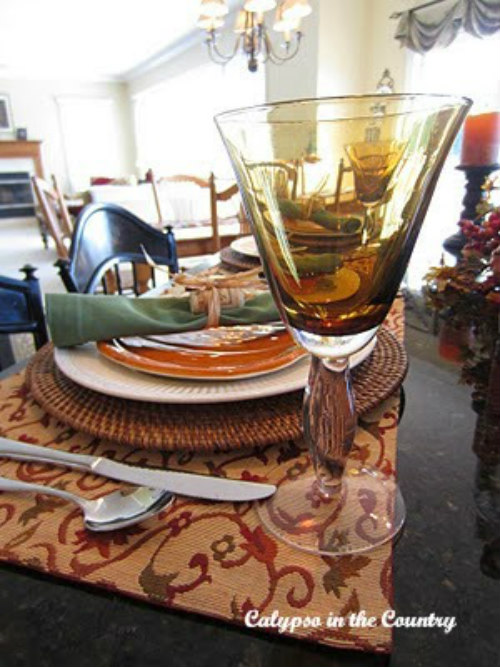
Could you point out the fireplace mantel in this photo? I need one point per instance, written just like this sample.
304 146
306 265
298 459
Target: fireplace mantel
23 149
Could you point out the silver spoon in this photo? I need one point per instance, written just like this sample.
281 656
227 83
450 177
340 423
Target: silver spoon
116 510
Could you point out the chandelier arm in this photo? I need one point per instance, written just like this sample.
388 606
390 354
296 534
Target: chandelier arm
215 59
263 39
268 46
220 57
278 59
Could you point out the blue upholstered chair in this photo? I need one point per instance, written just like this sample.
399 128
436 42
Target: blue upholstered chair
21 309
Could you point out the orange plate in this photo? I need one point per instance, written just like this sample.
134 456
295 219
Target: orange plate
249 359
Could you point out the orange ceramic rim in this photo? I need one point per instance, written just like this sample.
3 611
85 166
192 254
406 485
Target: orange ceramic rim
249 359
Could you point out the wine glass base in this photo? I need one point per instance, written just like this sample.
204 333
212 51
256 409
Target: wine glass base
367 511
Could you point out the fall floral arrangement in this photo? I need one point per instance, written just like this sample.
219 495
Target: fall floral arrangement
468 294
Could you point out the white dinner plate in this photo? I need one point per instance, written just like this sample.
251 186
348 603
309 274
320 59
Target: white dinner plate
246 246
85 366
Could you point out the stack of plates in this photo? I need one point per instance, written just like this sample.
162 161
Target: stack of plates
201 367
242 254
246 246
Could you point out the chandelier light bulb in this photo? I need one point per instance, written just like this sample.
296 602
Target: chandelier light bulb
210 23
241 24
259 5
282 24
296 9
213 8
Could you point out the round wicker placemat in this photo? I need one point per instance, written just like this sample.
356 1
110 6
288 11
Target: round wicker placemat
220 426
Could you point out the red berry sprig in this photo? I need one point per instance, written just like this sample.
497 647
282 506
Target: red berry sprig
484 238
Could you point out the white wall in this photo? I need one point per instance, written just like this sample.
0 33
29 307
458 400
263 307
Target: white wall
34 106
356 43
342 35
292 80
297 78
186 55
383 50
193 56
346 46
187 91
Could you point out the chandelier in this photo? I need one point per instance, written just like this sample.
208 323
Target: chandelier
253 37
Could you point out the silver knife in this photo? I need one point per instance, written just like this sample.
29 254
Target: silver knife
182 483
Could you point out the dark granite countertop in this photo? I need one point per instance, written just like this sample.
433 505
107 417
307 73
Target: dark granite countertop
447 561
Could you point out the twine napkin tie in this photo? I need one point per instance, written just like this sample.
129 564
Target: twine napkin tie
211 291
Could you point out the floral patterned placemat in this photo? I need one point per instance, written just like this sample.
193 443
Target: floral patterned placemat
213 559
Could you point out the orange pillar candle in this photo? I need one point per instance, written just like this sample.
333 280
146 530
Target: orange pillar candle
481 142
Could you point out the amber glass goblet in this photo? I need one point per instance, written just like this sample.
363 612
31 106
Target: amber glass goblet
336 190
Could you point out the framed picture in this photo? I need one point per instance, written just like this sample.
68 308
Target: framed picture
6 124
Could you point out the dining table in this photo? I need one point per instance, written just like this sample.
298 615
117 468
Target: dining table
445 562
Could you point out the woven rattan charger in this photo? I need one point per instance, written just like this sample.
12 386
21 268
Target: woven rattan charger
203 427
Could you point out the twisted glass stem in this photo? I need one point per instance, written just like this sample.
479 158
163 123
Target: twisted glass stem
329 420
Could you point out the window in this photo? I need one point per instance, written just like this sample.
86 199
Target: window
175 130
466 67
90 138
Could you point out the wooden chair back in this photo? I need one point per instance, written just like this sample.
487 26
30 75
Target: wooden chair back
48 201
108 236
199 246
64 215
341 171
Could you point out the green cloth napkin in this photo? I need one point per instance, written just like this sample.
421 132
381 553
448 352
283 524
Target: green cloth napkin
79 318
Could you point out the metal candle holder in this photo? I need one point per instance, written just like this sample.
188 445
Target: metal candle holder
475 177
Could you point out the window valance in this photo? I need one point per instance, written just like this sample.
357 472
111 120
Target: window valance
425 27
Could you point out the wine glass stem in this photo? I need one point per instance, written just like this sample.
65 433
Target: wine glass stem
329 420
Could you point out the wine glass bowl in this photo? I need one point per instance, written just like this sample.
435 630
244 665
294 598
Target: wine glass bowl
336 190
373 164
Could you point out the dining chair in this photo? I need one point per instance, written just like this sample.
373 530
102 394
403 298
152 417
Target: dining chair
200 244
106 238
343 195
64 214
21 309
54 213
